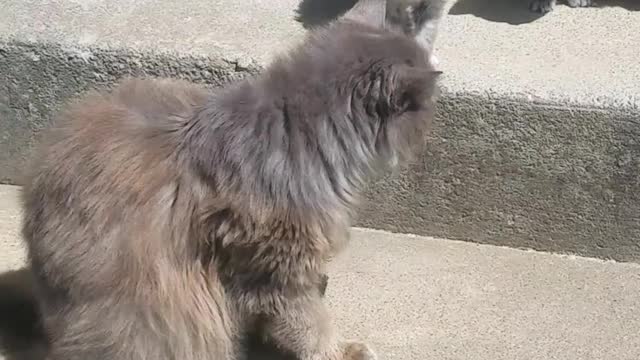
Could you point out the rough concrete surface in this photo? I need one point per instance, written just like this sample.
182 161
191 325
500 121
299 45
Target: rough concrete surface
536 144
12 254
423 298
584 55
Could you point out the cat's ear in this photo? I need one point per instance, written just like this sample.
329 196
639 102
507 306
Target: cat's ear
413 86
420 14
372 12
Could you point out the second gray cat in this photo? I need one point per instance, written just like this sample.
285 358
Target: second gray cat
418 18
544 6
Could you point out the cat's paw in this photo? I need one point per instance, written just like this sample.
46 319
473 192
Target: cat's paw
541 6
352 350
580 3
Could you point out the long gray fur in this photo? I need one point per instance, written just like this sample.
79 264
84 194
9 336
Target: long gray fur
166 222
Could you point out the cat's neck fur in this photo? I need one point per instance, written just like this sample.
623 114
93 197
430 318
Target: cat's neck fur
295 135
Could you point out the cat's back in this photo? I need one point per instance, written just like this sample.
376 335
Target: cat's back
103 177
130 114
112 138
107 153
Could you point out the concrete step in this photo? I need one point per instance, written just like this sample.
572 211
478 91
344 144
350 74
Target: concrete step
536 144
422 298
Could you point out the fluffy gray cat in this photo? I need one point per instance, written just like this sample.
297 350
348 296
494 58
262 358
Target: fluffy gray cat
163 221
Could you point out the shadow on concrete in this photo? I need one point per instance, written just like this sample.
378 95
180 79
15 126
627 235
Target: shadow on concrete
313 13
631 5
23 338
516 12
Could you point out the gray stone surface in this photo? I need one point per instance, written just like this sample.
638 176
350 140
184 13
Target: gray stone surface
12 254
424 298
536 143
544 179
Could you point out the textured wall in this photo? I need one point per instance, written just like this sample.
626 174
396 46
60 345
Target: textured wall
500 167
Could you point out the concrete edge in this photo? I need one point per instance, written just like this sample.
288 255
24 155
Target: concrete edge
248 64
467 154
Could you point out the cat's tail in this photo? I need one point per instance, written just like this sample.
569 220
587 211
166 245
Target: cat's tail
21 334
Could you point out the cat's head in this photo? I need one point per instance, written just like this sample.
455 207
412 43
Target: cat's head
393 86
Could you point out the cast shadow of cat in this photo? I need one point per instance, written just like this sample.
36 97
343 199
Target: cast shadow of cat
22 338
516 12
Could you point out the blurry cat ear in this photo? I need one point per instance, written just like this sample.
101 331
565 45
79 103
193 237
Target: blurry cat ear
419 14
413 86
372 12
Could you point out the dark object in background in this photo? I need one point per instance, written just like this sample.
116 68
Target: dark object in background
21 336
419 19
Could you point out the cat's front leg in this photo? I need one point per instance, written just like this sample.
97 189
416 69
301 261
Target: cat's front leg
304 328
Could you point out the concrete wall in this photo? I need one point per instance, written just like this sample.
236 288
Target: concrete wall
537 151
522 175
